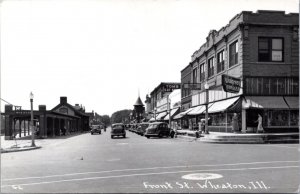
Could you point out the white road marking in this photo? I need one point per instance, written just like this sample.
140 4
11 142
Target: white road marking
202 176
17 187
151 168
114 159
147 174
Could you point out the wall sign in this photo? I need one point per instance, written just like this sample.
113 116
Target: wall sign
192 86
231 84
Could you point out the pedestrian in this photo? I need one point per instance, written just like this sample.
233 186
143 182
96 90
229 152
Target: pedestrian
260 128
235 124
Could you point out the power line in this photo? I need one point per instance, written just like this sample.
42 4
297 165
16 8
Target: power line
7 102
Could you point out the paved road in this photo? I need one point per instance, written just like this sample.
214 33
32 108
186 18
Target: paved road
98 164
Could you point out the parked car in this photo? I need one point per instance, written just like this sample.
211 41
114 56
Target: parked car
141 129
95 129
118 129
159 129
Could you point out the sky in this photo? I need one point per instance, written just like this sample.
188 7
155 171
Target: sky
104 53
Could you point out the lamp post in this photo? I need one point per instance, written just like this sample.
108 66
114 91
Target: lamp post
31 122
168 105
206 87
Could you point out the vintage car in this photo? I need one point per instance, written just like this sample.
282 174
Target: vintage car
95 129
118 129
159 129
141 129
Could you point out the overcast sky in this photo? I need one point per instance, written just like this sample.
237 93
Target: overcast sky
100 53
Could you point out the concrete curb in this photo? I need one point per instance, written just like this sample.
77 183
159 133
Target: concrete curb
8 150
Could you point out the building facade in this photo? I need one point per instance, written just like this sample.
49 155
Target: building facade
262 50
47 123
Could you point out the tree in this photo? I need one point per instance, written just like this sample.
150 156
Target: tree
121 116
105 120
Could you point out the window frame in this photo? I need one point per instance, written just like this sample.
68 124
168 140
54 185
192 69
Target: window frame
210 67
234 57
221 64
270 49
202 74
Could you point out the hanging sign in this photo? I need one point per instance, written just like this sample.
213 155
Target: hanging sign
231 84
170 87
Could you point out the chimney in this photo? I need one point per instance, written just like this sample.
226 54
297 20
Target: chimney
8 108
63 100
42 107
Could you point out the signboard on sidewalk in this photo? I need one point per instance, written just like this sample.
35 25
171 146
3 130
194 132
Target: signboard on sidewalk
231 84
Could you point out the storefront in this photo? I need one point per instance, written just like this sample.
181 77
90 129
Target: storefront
280 114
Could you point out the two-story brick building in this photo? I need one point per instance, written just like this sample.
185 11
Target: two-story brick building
262 50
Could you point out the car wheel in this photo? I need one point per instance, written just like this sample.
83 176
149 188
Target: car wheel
124 136
147 136
91 133
112 136
160 135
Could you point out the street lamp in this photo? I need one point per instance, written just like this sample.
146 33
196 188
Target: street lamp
206 87
31 122
169 111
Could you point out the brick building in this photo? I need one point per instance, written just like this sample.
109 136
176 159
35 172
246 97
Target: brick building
262 50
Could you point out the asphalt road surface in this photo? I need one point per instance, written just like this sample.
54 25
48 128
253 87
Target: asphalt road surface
98 164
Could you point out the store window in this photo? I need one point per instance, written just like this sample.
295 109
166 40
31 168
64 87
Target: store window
202 72
220 61
233 54
294 118
270 49
278 118
211 67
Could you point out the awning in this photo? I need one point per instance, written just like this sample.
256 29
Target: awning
221 106
197 110
161 115
152 119
292 101
180 115
266 102
173 111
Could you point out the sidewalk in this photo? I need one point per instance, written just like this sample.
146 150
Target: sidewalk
240 138
24 143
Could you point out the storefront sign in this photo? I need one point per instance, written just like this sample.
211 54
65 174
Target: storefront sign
231 84
192 86
170 87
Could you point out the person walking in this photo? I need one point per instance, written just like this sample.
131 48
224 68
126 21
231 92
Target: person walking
260 128
235 124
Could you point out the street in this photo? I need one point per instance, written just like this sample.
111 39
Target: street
98 164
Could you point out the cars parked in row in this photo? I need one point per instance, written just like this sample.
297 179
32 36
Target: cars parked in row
118 129
159 129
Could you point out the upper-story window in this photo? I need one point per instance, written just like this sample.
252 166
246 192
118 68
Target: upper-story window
233 53
195 75
211 67
221 61
202 72
270 49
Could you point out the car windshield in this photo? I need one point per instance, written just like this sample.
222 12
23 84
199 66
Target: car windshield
153 126
118 127
95 127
